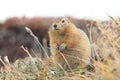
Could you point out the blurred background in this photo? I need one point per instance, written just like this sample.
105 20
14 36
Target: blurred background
38 16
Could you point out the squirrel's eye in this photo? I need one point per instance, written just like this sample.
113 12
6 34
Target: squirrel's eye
63 21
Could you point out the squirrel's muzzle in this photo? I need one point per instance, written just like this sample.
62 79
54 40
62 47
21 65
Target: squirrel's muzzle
55 27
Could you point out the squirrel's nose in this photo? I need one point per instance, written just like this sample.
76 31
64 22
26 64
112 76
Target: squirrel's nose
55 25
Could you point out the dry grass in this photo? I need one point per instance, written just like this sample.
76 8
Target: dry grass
105 58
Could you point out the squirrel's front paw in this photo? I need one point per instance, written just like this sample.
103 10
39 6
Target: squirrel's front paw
60 47
56 47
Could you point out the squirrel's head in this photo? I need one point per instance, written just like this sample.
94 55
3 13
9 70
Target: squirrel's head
61 25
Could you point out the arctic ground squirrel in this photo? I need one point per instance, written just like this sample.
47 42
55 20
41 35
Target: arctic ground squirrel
70 46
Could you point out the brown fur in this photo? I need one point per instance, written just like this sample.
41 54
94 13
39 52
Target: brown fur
72 42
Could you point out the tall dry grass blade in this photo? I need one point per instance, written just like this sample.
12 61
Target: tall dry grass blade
2 61
37 41
25 49
5 65
91 41
6 60
61 68
66 62
113 19
90 32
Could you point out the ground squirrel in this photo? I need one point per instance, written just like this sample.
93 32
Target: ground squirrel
68 40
